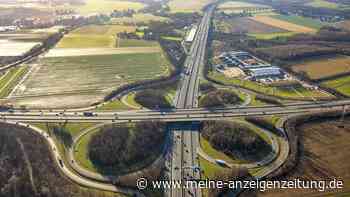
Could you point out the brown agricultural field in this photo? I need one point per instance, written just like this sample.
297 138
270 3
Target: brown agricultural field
344 25
283 24
324 66
247 25
324 155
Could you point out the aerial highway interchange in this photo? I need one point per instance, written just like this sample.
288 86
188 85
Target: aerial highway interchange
181 160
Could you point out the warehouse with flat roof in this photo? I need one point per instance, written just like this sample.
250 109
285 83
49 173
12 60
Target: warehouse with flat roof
190 36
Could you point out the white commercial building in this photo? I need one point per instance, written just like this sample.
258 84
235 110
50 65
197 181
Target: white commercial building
190 36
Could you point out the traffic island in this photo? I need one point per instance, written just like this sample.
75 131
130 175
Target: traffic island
120 153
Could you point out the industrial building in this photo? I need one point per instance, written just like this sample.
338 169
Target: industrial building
253 67
191 34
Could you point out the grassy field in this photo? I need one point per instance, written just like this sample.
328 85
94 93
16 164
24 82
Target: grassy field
82 157
344 25
10 79
130 99
324 66
288 26
239 4
81 152
327 4
187 6
209 169
300 20
113 105
208 149
86 79
268 36
172 38
94 36
324 155
73 128
136 43
138 18
341 84
105 6
293 92
246 25
94 73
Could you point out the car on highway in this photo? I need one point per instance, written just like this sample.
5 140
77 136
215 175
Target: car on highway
89 114
221 162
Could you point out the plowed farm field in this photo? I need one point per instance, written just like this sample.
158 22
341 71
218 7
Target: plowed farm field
283 24
83 80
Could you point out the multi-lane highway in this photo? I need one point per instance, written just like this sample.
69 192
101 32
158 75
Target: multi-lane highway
182 161
174 115
186 138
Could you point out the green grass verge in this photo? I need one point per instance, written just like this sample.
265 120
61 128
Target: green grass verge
212 152
341 84
81 155
209 169
291 93
130 99
113 105
73 128
81 152
172 38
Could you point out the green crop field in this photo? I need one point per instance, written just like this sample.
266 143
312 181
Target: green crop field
105 6
138 18
268 36
9 80
93 36
300 20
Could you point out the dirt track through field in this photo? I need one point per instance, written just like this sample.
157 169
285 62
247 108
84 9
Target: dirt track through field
283 24
100 51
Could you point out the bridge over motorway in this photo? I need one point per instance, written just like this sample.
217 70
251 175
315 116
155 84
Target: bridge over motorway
172 115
